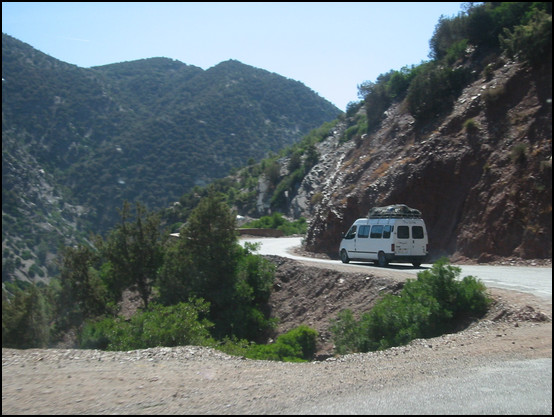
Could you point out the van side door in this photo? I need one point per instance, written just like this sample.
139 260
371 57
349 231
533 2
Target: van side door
363 243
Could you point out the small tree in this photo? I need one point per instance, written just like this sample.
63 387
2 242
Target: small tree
26 319
177 279
210 239
82 294
273 173
134 252
207 262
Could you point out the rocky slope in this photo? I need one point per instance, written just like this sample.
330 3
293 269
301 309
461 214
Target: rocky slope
314 294
481 174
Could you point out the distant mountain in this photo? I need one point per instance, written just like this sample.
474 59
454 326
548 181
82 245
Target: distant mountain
77 142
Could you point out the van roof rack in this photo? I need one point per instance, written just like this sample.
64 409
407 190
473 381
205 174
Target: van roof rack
395 211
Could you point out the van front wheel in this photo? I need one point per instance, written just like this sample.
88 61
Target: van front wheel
381 259
344 257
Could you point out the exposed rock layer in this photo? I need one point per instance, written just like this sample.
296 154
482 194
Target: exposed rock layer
485 190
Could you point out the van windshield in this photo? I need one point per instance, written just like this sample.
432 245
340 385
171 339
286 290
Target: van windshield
351 234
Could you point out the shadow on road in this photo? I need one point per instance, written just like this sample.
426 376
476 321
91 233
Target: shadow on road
394 267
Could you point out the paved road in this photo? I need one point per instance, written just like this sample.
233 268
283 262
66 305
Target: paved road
532 280
506 387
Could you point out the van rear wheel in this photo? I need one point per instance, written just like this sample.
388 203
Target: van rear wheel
344 257
382 259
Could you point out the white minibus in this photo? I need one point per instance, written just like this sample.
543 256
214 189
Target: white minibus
389 234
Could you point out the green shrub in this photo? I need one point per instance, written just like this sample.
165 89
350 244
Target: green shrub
395 321
376 100
297 227
316 198
98 334
492 96
471 126
350 133
233 346
488 72
302 339
277 221
245 321
346 333
530 42
297 345
434 304
175 325
518 154
288 185
258 273
434 89
472 299
35 269
456 51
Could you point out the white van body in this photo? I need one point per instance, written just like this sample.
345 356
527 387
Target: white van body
386 238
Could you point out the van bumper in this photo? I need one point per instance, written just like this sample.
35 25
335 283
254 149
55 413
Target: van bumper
410 259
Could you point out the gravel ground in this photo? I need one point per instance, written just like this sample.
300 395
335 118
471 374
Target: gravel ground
195 380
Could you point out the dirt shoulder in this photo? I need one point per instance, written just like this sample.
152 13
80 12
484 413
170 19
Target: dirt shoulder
194 380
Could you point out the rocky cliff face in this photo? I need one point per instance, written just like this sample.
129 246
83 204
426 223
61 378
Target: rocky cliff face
481 175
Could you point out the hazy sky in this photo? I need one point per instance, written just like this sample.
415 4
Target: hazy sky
329 47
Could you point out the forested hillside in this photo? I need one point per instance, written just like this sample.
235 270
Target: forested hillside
78 142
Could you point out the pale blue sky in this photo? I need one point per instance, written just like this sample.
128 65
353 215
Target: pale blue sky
329 47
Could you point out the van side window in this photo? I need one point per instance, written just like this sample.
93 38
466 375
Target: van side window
417 232
387 231
376 232
363 231
403 232
351 234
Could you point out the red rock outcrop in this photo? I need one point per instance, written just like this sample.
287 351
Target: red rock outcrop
484 188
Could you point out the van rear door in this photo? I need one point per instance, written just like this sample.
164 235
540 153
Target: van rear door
411 240
403 244
419 245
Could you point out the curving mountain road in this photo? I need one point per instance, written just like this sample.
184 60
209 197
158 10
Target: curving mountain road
532 280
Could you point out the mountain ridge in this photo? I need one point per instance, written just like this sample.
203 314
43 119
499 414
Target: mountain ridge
146 130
